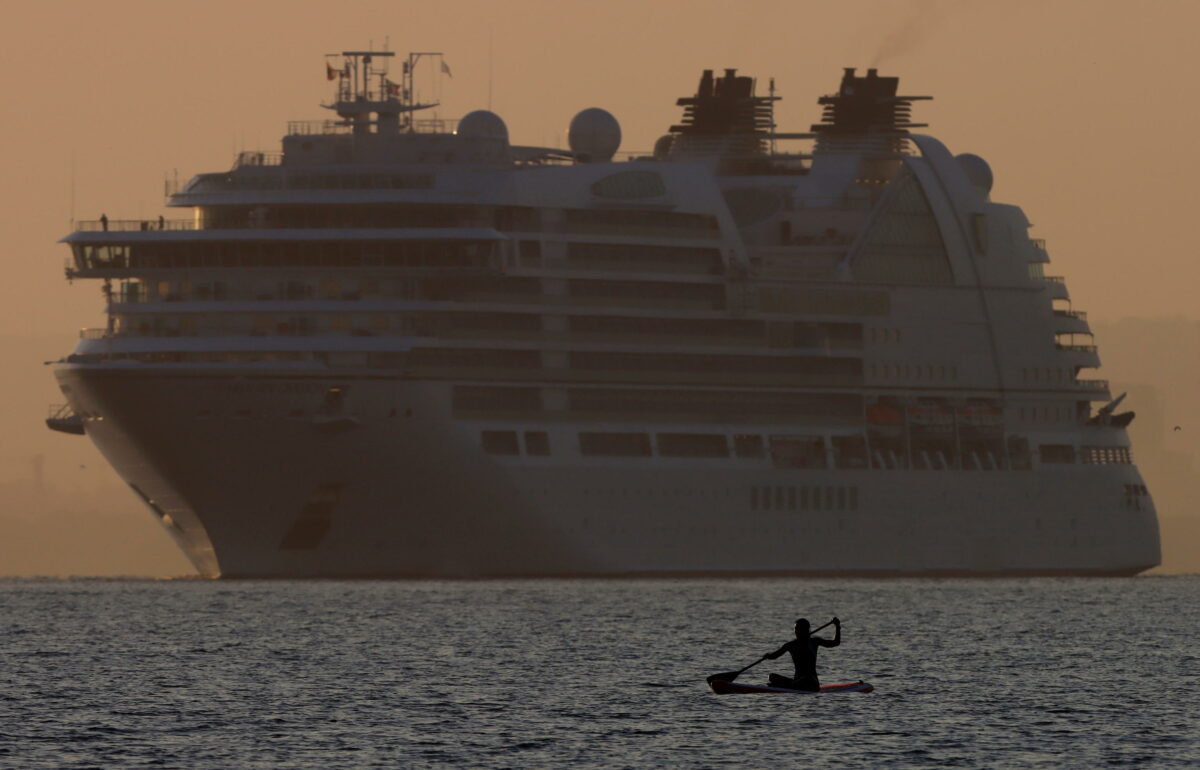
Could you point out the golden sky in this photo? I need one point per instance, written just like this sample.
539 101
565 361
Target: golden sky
1086 111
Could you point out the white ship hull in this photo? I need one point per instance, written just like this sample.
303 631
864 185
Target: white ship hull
265 495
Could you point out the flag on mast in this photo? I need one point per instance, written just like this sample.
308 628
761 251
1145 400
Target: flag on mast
446 68
330 72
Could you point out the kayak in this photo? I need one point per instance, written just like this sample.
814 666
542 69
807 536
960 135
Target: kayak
721 687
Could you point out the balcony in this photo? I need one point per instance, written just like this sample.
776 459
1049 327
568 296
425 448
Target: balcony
133 225
64 420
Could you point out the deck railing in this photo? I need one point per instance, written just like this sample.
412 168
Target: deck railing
134 225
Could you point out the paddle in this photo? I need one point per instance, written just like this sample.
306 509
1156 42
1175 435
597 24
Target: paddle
729 676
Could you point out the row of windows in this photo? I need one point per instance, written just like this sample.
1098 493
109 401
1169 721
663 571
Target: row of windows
504 218
805 452
1106 455
701 224
626 256
344 253
1047 375
803 498
1045 413
1089 455
282 180
712 330
322 288
920 372
626 444
725 403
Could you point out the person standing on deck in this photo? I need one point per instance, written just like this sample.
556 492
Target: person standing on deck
804 655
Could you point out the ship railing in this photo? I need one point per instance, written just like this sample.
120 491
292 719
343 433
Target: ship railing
1077 348
327 127
1078 315
133 225
1092 385
1038 242
1053 279
62 418
257 158
93 334
60 412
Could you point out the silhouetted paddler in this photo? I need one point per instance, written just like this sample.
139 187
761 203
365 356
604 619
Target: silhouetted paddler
804 656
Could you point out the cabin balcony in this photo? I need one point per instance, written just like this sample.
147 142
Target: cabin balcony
1079 355
64 420
1071 322
1097 389
1056 285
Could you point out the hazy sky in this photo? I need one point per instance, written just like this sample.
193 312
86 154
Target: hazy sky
1086 111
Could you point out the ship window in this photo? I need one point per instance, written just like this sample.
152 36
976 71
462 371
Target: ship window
531 253
537 443
904 244
754 498
500 442
700 294
615 444
642 256
765 496
804 498
791 498
1056 453
798 451
500 399
692 445
748 446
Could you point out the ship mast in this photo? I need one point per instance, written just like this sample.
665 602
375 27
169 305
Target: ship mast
366 97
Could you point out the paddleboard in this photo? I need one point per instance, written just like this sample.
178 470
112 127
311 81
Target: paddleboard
721 687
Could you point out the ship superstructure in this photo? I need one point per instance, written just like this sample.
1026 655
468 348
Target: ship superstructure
395 349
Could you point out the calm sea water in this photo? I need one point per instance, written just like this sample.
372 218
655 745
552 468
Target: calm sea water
971 673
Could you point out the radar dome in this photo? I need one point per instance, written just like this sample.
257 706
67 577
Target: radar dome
594 135
977 170
482 124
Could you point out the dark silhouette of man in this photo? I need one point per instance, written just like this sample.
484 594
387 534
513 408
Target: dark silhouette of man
804 655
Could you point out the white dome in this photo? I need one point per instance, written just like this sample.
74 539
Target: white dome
484 124
977 170
594 135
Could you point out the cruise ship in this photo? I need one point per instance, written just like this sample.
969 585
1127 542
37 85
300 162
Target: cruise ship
406 347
